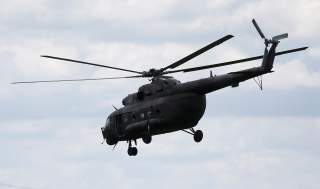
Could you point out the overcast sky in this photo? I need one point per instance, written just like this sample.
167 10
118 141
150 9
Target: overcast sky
50 133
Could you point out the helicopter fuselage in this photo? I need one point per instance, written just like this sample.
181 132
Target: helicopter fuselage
155 116
166 105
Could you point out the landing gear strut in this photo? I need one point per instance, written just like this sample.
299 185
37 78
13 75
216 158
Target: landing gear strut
132 151
147 138
197 135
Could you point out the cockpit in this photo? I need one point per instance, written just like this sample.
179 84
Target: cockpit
106 129
107 122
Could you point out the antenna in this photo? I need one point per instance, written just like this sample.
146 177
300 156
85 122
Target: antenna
115 107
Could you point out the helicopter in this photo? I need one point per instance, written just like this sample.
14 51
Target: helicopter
165 104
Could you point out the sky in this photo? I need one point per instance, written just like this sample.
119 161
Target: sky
50 133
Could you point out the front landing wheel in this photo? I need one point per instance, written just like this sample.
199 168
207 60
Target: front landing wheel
132 151
197 136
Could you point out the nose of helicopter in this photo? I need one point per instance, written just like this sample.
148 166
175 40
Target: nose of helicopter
107 134
104 131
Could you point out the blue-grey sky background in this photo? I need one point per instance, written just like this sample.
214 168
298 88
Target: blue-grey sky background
50 133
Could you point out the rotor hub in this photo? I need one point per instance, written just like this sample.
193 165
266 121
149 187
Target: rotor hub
152 73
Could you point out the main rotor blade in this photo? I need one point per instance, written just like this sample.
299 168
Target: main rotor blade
69 80
198 52
291 51
88 63
258 28
233 62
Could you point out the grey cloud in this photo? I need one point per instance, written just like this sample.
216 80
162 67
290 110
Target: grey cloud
49 134
234 149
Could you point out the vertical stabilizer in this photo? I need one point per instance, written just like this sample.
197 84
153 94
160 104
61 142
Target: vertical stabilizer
268 57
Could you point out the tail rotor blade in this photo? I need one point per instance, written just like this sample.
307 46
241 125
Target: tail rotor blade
279 37
258 28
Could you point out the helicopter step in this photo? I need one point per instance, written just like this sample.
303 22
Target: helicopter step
197 135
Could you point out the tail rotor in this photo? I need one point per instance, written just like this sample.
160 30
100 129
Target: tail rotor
274 39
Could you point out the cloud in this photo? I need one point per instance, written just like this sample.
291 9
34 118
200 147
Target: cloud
50 133
294 74
234 149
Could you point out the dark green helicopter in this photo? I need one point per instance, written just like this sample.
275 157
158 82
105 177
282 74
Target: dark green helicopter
167 105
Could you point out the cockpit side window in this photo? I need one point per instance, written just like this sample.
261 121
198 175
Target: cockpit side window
159 89
148 92
126 117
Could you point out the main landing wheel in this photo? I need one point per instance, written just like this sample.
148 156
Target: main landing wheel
147 139
197 136
132 151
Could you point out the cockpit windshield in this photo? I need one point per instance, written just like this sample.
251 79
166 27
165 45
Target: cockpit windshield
108 121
